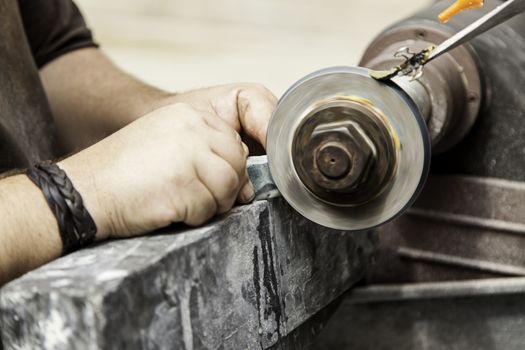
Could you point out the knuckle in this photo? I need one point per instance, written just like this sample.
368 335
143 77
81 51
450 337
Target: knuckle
185 115
167 215
184 107
239 164
237 137
201 211
230 181
214 121
246 150
198 218
259 87
235 154
182 179
263 90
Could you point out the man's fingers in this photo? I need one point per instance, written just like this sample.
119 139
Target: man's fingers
220 179
216 123
200 204
255 105
247 192
233 151
230 152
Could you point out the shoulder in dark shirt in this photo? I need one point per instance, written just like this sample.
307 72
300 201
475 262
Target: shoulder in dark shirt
53 28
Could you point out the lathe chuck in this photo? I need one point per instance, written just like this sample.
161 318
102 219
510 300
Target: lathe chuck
346 151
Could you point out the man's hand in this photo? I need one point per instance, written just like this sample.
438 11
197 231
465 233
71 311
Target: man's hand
169 158
176 164
245 107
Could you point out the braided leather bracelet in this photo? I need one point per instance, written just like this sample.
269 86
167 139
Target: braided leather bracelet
77 227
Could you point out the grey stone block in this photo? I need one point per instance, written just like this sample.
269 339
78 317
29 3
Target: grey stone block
245 281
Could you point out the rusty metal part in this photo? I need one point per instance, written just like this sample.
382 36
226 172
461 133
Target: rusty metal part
444 261
344 151
451 83
347 151
333 160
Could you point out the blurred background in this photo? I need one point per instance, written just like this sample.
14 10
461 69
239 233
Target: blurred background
184 44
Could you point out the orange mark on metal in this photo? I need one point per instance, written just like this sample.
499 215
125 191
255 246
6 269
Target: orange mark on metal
457 7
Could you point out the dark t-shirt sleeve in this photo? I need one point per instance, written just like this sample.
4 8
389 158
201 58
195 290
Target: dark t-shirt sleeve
53 28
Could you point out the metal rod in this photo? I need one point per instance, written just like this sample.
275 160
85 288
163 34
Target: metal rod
456 261
470 221
436 290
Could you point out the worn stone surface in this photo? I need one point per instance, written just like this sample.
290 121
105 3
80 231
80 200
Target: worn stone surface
243 282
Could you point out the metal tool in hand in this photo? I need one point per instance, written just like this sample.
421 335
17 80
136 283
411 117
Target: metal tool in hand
414 62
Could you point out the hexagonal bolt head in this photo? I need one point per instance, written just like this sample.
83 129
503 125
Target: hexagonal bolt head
352 151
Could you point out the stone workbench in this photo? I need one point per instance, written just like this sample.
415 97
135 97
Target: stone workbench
248 280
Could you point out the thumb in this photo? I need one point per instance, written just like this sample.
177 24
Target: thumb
256 104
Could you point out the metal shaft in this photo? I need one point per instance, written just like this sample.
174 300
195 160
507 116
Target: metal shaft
449 94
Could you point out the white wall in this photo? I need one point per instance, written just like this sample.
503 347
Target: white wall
181 44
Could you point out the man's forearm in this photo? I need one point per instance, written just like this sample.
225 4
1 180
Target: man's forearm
91 97
28 230
29 233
